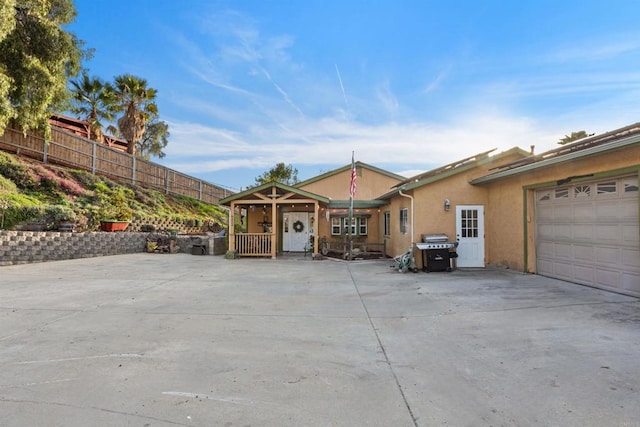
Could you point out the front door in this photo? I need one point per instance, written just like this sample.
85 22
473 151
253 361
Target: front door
470 235
295 231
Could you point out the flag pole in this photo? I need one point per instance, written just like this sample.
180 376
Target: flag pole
352 187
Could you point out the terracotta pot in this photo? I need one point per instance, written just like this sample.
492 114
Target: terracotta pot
113 225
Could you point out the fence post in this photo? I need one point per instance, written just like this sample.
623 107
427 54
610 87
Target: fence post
45 151
133 170
166 181
94 157
200 190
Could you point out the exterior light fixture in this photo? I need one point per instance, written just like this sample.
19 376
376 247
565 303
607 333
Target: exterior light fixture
447 204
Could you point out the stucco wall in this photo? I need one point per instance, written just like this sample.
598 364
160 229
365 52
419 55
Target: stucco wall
369 185
505 213
429 214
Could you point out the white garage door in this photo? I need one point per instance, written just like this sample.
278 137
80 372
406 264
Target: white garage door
589 233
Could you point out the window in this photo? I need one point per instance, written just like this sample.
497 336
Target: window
353 226
630 185
469 223
404 220
387 223
340 226
336 229
546 196
362 226
582 191
604 188
562 193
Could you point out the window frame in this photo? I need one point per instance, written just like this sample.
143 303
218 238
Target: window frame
334 225
340 225
386 223
404 220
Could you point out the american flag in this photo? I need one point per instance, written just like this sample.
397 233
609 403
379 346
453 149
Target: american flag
352 186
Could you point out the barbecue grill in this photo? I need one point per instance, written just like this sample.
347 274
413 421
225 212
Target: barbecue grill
437 252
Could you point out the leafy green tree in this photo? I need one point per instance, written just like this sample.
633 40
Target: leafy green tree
37 56
92 102
285 174
574 137
154 139
137 104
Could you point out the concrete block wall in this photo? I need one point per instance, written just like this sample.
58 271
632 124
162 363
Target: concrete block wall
163 224
22 247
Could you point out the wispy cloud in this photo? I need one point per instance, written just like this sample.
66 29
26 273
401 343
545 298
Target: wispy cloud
597 50
435 83
386 97
265 108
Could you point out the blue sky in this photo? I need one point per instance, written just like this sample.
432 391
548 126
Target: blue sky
407 85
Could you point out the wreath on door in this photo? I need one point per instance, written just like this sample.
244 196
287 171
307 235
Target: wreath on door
298 226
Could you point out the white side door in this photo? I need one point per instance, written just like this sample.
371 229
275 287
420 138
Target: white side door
470 235
295 231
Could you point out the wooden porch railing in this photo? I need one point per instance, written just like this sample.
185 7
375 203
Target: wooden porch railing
254 244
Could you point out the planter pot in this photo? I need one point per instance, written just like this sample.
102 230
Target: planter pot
113 225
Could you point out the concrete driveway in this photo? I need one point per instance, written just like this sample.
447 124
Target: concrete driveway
165 340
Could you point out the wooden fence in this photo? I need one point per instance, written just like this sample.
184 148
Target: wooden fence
69 150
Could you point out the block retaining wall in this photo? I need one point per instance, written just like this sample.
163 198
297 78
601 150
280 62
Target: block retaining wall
23 247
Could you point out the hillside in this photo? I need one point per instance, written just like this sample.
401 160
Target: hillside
32 192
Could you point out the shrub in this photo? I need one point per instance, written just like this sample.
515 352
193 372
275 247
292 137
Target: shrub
16 172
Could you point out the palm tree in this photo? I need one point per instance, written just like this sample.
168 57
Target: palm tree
92 102
136 101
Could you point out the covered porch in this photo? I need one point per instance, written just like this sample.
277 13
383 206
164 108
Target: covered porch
274 218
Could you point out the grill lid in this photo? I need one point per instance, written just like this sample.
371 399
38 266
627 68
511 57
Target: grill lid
434 238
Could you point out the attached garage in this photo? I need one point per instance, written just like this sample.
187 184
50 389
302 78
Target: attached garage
589 233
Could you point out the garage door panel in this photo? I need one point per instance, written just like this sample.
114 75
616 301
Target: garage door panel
608 279
589 233
630 235
628 210
608 233
583 212
583 253
583 232
607 212
547 247
562 250
630 259
545 267
607 256
630 283
545 231
584 274
563 270
562 214
562 232
544 214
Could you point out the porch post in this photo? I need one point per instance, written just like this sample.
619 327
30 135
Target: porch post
316 210
274 226
232 233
